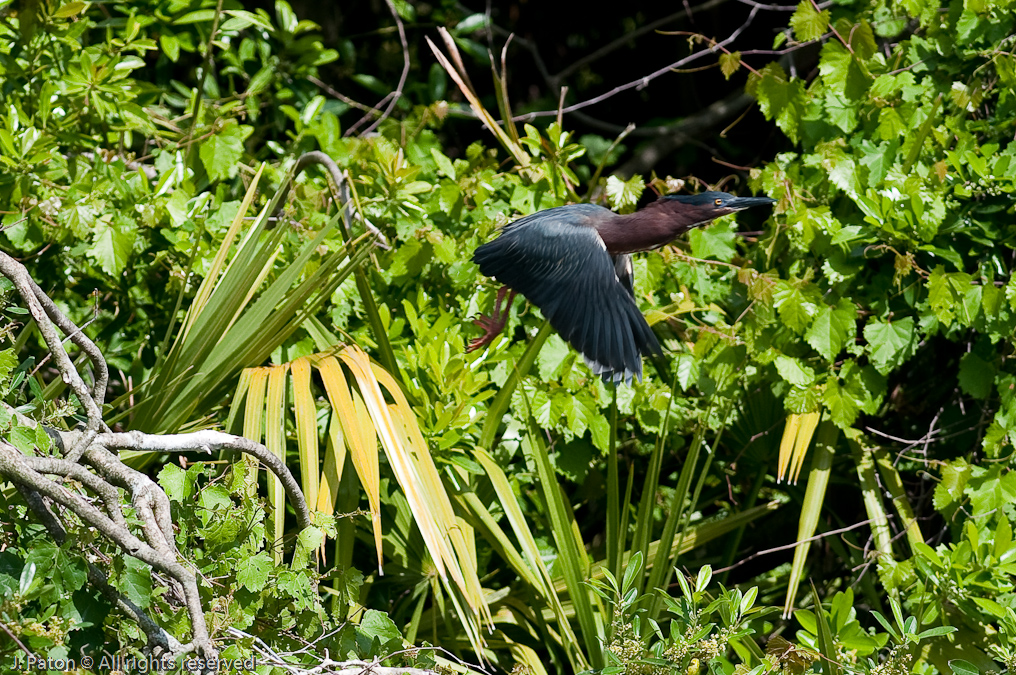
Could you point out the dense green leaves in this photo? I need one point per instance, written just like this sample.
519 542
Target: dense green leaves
878 295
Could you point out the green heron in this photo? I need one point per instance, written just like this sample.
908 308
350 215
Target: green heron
574 263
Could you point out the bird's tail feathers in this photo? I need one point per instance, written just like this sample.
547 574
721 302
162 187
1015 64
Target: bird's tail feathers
617 376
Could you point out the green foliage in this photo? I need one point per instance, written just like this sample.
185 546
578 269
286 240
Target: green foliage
808 22
850 639
693 637
967 583
880 294
225 532
624 195
47 605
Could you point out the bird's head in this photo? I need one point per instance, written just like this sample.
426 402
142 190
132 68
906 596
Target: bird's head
706 206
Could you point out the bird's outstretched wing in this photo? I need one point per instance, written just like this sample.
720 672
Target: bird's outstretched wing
557 260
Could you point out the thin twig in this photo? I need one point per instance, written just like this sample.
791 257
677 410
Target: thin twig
394 96
331 91
777 549
16 640
781 8
628 37
643 81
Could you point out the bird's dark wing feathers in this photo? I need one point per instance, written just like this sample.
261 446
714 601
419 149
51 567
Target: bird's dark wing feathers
622 268
563 268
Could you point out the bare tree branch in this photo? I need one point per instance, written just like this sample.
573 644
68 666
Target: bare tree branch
26 286
93 445
328 666
15 468
156 634
61 467
211 441
331 91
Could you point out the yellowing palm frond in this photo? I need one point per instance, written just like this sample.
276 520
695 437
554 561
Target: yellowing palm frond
361 417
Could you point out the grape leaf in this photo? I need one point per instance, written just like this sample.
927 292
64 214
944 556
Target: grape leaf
730 63
890 343
221 152
976 375
832 327
809 23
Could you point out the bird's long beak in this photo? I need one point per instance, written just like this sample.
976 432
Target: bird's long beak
742 203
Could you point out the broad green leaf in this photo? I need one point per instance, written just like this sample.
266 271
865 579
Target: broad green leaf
862 40
809 23
794 308
221 152
730 63
885 624
443 163
170 46
687 371
716 241
113 245
251 17
946 293
23 438
69 9
780 98
793 371
977 376
137 581
378 624
27 578
961 667
879 158
174 481
702 580
252 571
624 195
831 329
197 16
890 343
843 408
841 72
929 554
841 111
949 490
842 171
968 26
8 361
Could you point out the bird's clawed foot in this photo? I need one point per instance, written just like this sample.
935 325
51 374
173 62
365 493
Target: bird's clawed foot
492 325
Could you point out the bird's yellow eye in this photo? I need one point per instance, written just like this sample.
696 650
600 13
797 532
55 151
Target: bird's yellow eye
718 202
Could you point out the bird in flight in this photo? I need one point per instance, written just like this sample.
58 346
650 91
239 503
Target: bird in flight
574 263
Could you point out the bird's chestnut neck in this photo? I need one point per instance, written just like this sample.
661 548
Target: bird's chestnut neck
655 225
